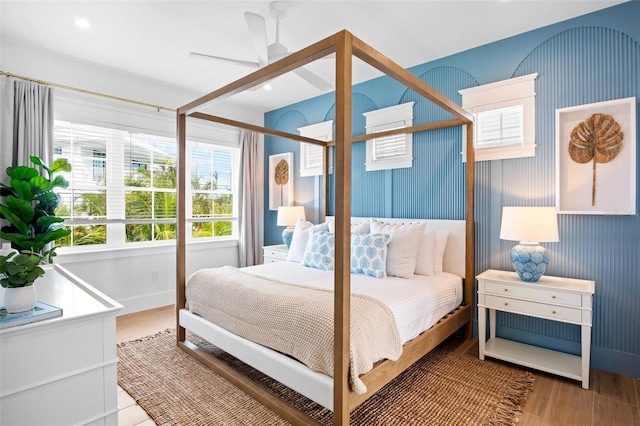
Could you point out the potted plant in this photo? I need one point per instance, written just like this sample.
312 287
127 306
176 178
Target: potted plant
29 204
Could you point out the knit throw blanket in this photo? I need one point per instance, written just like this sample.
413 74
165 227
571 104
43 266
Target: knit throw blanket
294 319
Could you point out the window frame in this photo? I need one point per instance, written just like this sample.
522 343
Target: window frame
498 95
322 131
116 220
392 117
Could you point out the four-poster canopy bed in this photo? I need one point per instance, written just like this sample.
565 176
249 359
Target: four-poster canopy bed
292 373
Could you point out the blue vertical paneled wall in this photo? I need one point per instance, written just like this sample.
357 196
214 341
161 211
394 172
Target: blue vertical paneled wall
589 59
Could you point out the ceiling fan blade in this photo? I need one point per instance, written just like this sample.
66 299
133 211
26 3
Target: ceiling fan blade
227 60
258 33
313 79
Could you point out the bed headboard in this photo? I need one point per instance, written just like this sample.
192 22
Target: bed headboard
455 253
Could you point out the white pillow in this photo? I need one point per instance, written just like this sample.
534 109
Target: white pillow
356 228
404 245
438 252
301 234
426 254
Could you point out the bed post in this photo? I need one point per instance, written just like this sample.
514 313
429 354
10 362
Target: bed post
470 224
181 251
342 271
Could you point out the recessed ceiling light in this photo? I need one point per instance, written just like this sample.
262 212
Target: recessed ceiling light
82 23
267 87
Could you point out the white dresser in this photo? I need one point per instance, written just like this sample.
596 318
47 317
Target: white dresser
554 298
62 371
276 253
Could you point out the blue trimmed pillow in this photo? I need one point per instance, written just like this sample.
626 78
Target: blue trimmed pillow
319 251
369 254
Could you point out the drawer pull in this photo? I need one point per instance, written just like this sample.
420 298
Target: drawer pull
506 289
553 297
553 312
506 304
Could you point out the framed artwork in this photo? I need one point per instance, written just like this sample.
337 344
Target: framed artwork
280 180
596 158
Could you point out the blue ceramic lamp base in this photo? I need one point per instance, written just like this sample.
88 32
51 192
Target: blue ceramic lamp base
530 260
287 235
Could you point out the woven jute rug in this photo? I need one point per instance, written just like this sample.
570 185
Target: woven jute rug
442 388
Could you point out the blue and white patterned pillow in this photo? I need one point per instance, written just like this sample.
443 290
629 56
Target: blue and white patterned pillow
319 251
369 254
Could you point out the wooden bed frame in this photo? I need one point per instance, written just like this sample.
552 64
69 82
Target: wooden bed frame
345 46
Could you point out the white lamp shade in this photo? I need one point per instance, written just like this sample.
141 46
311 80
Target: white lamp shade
532 224
289 215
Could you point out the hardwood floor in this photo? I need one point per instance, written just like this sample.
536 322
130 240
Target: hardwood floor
611 400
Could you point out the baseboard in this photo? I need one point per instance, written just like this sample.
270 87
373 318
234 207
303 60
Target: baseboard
147 301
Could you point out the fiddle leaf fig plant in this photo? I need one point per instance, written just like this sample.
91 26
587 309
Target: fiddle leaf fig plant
29 204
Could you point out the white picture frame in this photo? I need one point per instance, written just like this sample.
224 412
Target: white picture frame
601 188
280 195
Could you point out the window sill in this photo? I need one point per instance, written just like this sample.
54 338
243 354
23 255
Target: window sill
66 255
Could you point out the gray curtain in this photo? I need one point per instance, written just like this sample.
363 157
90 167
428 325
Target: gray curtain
32 122
6 126
251 198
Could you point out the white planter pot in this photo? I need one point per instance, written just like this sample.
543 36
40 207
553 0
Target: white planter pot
20 299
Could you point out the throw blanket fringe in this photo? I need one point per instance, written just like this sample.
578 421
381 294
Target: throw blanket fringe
294 319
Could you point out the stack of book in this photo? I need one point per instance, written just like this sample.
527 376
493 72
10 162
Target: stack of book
41 311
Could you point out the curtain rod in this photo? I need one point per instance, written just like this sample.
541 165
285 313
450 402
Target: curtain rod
89 92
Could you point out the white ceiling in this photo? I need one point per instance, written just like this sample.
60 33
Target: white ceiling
154 38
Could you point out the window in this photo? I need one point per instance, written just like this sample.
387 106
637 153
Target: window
389 152
123 187
311 155
504 118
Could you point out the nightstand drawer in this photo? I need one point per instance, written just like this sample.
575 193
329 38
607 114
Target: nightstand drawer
274 254
556 313
530 292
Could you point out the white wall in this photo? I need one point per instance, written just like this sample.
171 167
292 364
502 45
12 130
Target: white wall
140 277
37 64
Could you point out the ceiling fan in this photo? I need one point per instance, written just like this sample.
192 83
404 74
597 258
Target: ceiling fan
268 53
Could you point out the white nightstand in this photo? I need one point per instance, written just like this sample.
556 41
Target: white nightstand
553 298
277 253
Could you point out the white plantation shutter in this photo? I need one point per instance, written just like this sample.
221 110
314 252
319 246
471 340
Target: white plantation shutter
313 159
394 151
310 154
389 147
499 127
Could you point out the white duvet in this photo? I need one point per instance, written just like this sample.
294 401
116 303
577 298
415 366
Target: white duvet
417 303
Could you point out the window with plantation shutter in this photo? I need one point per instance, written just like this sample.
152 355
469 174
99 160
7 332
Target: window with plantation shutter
311 155
504 118
394 151
123 187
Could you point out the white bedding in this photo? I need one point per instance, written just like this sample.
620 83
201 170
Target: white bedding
417 303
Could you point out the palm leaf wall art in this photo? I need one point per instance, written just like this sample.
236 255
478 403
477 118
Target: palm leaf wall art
598 139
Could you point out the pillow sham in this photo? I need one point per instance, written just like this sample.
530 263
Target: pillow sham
438 252
369 254
301 233
404 245
319 251
426 254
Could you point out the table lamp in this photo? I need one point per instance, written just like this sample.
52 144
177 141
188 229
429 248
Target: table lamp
529 226
288 216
